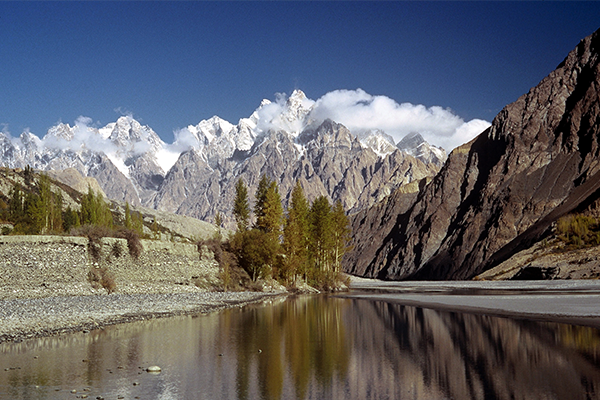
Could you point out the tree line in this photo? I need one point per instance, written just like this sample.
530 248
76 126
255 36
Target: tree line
306 242
36 209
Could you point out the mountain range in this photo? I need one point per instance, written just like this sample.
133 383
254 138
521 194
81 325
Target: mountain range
196 174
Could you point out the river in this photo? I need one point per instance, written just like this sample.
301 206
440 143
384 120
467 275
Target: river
311 347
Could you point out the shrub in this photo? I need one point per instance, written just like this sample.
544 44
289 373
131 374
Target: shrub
214 245
102 277
117 250
133 242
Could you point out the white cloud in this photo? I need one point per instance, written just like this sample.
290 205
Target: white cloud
279 116
360 111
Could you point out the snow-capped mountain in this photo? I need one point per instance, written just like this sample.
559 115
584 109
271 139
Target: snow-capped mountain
416 146
196 174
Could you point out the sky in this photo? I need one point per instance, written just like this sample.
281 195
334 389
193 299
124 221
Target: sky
172 64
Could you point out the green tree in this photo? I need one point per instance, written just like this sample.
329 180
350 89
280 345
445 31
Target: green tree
137 220
15 203
261 196
296 235
270 216
241 209
35 215
51 206
70 219
254 252
155 230
128 223
94 210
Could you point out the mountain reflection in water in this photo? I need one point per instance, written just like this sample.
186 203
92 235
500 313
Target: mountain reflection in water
312 347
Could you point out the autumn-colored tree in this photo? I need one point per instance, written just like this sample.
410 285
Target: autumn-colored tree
321 237
341 235
296 236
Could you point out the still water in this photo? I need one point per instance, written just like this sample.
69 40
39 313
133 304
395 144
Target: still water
311 347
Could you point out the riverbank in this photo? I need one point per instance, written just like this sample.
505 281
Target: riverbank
37 317
52 284
566 301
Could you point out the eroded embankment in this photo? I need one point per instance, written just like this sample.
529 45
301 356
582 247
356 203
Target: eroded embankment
44 266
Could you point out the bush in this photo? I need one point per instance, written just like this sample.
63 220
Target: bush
102 277
117 250
214 245
133 242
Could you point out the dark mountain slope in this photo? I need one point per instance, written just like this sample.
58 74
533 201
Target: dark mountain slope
500 192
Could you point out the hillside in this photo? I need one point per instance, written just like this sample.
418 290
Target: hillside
500 193
168 226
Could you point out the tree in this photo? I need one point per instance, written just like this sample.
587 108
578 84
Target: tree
296 235
15 203
261 196
218 219
321 237
51 206
70 219
269 216
241 209
341 234
94 210
218 223
128 223
254 252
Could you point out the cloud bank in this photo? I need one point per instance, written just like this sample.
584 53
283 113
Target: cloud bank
360 111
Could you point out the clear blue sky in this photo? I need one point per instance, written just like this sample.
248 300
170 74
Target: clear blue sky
172 64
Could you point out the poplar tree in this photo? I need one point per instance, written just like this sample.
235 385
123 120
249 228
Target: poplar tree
15 203
321 234
340 234
70 219
51 206
128 223
261 196
94 210
296 235
269 216
241 209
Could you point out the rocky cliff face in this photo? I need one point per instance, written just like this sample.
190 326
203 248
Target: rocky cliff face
499 193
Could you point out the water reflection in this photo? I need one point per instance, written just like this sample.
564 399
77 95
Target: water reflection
311 348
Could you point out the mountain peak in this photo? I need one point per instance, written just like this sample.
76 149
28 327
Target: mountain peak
411 141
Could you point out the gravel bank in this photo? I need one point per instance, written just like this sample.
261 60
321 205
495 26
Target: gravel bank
26 318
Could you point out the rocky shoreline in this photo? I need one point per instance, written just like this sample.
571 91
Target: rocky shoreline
27 318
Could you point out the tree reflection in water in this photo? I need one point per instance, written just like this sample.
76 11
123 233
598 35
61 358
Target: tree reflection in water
313 347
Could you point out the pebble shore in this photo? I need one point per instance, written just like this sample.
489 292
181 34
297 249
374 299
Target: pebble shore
36 317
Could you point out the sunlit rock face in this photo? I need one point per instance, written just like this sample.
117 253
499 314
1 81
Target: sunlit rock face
328 161
500 192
